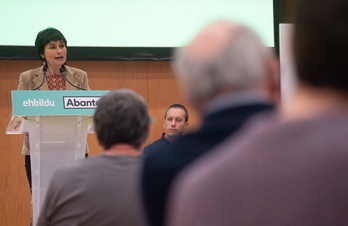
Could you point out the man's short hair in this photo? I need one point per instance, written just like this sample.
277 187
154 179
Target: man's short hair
121 117
178 106
321 43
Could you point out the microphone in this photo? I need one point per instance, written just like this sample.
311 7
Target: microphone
62 71
44 75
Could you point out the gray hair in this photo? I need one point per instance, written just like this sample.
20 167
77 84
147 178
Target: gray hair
241 65
122 117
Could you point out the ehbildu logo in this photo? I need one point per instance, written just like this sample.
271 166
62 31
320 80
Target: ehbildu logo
81 102
69 102
38 103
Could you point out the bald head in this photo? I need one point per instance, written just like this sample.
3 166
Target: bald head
212 39
223 57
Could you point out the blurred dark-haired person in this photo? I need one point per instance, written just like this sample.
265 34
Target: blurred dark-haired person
175 122
224 73
103 189
291 168
53 74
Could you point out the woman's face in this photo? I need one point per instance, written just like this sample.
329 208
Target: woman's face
55 54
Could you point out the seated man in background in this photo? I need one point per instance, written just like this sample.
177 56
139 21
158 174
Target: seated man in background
224 73
103 189
291 168
174 124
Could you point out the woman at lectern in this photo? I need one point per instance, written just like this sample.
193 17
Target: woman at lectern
53 74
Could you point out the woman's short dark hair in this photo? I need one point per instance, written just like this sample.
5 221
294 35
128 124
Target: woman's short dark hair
122 117
46 36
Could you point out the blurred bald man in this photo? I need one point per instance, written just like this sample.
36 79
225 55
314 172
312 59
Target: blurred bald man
224 72
291 168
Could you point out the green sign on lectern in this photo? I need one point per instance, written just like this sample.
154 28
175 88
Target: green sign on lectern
29 102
